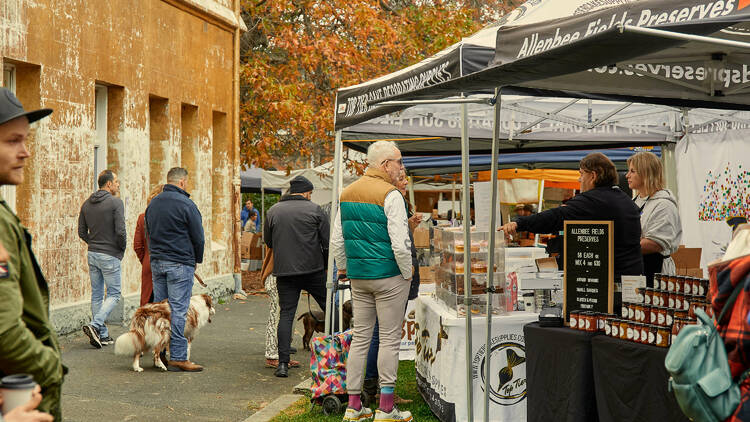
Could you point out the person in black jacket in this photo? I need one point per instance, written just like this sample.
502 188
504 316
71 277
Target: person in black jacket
175 243
600 199
101 224
298 232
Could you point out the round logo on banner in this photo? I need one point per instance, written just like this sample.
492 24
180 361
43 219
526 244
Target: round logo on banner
507 383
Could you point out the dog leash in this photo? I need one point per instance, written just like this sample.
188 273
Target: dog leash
200 280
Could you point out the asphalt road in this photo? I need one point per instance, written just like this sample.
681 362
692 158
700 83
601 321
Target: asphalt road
234 384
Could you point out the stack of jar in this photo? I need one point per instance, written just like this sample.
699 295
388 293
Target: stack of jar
657 317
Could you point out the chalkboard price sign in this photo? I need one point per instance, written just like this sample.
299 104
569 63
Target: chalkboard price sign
589 266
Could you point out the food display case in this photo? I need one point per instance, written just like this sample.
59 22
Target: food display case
448 244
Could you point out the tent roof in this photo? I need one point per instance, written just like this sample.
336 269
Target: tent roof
428 166
629 52
527 124
250 179
320 176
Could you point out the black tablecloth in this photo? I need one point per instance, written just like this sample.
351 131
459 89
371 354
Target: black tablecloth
559 375
631 382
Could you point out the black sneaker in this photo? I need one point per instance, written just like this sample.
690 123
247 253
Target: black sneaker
93 336
107 341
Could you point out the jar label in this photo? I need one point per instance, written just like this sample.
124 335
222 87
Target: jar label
669 319
685 305
624 311
631 313
671 302
695 289
636 334
573 322
588 323
651 338
630 333
607 329
644 335
677 303
659 338
660 319
701 290
647 299
688 289
662 302
663 284
653 317
670 286
615 330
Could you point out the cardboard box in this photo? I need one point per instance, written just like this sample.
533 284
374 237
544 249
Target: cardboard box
426 275
256 247
245 242
421 237
687 261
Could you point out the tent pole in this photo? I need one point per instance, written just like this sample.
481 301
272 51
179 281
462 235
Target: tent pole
334 211
491 250
467 255
453 198
539 208
669 160
411 191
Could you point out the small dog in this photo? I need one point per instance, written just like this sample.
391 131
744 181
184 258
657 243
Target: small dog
151 329
314 321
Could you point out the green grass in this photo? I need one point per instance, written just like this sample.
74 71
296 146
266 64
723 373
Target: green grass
406 387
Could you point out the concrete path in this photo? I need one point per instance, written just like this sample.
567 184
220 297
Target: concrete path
234 385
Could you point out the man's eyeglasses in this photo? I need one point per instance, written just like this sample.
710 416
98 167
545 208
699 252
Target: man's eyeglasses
400 161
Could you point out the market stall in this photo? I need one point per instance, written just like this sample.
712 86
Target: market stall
441 350
559 55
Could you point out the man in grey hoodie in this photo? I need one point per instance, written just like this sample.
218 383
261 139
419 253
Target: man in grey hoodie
101 225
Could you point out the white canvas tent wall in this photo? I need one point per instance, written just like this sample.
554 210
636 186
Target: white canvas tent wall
320 176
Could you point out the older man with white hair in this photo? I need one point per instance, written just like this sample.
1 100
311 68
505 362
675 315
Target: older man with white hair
372 247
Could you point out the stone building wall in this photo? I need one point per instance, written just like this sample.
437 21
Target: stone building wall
151 82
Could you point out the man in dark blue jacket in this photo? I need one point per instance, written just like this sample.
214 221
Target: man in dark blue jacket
175 233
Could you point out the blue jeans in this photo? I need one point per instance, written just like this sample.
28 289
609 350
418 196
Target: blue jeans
371 369
104 271
174 281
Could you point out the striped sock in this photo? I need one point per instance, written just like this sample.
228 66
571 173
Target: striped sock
355 402
386 399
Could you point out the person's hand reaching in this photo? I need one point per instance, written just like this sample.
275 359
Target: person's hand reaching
510 230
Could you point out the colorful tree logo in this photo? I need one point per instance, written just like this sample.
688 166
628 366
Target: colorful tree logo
725 194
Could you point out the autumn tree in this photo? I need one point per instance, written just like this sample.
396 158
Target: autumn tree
296 53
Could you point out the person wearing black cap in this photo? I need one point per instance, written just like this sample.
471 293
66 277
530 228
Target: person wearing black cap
28 343
297 230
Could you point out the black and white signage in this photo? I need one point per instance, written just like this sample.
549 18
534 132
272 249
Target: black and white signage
589 267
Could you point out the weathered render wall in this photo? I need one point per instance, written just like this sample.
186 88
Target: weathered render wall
168 66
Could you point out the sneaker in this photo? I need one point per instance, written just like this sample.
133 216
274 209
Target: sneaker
93 336
357 415
395 415
107 340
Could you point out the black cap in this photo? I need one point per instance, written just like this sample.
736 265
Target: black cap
300 184
11 108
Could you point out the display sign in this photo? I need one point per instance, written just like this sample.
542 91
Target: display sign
589 266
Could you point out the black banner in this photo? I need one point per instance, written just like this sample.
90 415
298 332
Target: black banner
444 411
589 266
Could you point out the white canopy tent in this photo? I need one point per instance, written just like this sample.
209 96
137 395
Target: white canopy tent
320 176
623 50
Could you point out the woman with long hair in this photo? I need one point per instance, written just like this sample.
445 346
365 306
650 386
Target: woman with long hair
661 230
140 245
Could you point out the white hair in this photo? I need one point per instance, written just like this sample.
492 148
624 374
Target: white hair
379 151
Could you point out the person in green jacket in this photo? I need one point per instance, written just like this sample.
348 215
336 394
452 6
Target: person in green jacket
28 343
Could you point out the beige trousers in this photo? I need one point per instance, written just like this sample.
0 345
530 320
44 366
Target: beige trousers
385 298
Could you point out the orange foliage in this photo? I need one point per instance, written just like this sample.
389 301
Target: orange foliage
298 52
